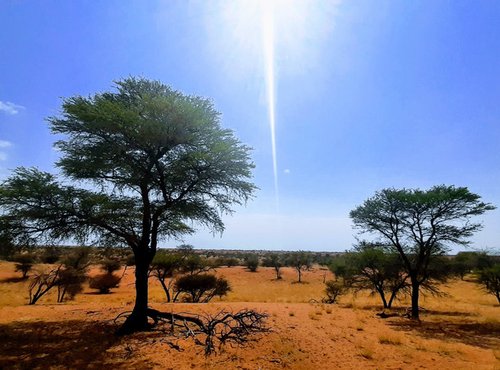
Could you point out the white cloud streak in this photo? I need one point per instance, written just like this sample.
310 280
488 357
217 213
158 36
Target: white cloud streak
10 108
5 144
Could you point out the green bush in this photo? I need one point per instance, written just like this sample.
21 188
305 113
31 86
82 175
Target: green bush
104 282
252 262
490 279
24 263
333 290
201 287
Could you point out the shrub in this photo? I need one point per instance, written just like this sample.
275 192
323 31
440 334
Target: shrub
333 291
24 263
104 282
300 261
201 287
275 261
231 261
69 283
51 255
130 259
110 265
490 279
252 262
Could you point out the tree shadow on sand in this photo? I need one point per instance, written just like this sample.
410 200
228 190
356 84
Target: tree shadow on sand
483 335
14 279
64 344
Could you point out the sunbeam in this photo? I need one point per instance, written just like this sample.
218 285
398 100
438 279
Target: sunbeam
261 41
268 42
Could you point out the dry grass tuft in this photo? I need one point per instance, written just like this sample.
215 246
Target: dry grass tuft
389 339
366 353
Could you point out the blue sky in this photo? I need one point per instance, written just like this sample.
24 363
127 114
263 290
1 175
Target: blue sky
369 94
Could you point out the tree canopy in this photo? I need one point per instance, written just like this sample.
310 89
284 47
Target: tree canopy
138 164
420 224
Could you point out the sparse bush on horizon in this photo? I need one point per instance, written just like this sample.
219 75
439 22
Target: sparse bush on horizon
252 262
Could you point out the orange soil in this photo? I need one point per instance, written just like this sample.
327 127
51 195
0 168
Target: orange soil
459 331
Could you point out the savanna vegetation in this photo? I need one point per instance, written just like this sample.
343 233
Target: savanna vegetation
144 165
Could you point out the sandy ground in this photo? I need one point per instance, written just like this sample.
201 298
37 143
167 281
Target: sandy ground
459 331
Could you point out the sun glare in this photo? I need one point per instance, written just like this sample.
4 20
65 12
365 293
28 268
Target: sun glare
260 39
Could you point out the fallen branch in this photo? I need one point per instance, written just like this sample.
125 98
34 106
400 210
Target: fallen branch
212 331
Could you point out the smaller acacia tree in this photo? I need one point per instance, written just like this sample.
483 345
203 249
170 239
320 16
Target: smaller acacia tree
490 279
24 263
378 271
300 261
67 277
164 267
340 268
201 287
72 274
275 261
333 290
106 281
420 225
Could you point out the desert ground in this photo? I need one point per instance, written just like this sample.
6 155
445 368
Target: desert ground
458 331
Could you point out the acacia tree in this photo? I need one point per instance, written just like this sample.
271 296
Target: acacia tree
140 164
275 261
419 225
490 279
377 270
300 261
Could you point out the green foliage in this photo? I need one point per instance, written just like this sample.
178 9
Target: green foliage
104 282
130 260
7 248
252 262
77 258
341 268
72 274
69 283
163 267
24 263
373 268
300 261
420 225
110 265
141 163
333 290
466 262
194 264
275 261
201 287
490 279
50 255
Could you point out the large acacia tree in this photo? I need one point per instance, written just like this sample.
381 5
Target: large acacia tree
420 225
139 164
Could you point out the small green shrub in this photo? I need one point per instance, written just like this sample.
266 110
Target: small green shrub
333 291
252 263
24 263
201 287
104 282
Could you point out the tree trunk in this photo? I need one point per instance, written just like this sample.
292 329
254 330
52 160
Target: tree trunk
382 296
391 299
138 319
165 289
415 287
